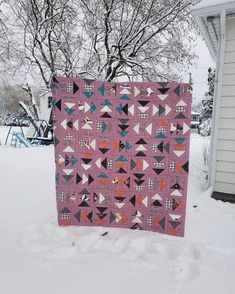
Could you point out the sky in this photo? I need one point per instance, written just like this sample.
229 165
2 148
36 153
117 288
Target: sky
200 70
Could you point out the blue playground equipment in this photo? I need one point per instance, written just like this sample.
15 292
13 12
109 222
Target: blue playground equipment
36 133
18 139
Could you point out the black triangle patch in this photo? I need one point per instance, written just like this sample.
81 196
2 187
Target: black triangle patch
121 171
103 150
177 90
90 179
75 88
158 170
162 223
78 215
123 127
140 153
174 224
185 166
106 115
89 216
83 204
143 103
101 209
141 141
132 200
161 109
163 90
136 227
176 186
156 203
180 116
125 109
139 182
123 120
88 81
104 163
56 141
86 160
160 147
139 176
78 179
58 104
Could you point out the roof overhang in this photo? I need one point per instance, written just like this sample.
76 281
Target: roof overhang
207 15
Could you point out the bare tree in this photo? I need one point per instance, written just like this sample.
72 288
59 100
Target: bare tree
137 38
105 39
49 41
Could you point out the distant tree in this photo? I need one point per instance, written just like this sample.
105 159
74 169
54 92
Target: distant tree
207 105
12 95
207 102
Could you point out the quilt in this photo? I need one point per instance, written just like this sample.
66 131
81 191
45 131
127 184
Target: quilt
121 153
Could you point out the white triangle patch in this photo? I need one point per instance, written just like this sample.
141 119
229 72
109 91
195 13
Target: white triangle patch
175 217
119 205
173 127
101 198
70 104
137 220
106 109
145 201
178 153
93 144
181 103
98 162
137 128
87 107
125 91
86 166
131 109
64 124
136 91
167 109
143 109
68 149
141 148
185 128
87 126
149 129
163 97
155 109
75 124
84 179
157 197
176 193
68 171
145 165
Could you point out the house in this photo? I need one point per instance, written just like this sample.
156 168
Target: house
45 105
216 20
194 119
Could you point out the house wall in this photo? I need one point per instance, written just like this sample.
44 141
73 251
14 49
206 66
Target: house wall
225 165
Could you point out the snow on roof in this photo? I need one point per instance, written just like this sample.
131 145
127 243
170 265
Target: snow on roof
208 3
213 5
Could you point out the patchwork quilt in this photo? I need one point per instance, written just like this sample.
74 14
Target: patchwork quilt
121 152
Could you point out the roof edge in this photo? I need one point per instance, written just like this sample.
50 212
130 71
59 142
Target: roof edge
213 9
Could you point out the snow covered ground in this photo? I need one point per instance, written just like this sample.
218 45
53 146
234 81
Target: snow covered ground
37 256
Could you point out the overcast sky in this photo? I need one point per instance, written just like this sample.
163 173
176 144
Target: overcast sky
200 70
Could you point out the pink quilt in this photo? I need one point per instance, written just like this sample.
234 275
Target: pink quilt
121 152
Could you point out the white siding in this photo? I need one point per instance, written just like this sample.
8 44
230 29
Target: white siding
225 166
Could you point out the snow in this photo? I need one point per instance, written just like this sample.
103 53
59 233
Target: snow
37 256
208 3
